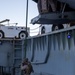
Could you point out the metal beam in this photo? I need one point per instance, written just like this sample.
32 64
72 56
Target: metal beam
54 18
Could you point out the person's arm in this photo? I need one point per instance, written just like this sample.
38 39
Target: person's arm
23 67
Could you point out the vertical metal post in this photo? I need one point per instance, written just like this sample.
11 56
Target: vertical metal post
26 14
26 26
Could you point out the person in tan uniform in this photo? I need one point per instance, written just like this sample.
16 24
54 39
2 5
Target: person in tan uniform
26 67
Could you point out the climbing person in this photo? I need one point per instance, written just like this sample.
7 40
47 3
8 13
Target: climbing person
26 67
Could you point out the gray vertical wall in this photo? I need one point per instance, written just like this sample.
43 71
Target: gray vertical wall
11 55
53 53
6 53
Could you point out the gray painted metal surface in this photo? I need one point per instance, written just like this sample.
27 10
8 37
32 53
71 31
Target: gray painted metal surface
6 55
54 18
52 53
11 55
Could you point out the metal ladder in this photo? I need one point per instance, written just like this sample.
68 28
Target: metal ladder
17 56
